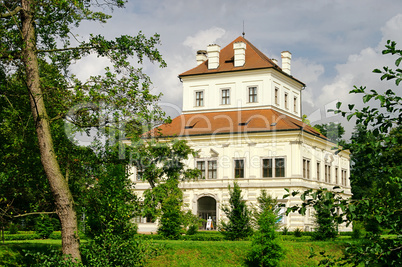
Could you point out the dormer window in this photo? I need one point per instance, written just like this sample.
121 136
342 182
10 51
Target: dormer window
252 94
199 98
225 97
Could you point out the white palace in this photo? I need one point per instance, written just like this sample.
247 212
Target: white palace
242 113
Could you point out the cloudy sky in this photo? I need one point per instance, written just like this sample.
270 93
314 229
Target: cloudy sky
334 44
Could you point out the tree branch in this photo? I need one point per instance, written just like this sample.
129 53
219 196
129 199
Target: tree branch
11 13
34 213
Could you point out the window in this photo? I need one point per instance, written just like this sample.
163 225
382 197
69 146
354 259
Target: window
306 168
295 104
212 166
280 167
276 95
199 99
344 173
318 171
252 94
327 173
225 97
267 168
273 167
336 176
140 174
201 167
239 168
286 101
211 172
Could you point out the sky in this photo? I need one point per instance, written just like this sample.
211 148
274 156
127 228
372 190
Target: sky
334 44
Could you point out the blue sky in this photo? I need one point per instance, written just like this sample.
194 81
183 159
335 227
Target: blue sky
334 44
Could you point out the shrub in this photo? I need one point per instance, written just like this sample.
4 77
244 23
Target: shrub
113 250
44 226
50 259
265 249
13 229
298 232
192 230
285 230
239 224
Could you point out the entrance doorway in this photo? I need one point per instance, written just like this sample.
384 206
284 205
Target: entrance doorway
206 207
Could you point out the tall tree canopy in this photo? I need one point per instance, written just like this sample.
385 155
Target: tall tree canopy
36 49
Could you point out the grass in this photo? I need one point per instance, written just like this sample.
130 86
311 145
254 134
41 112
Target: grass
192 253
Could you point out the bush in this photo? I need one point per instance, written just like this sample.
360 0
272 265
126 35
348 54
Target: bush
298 232
13 229
50 259
192 230
44 226
285 230
21 237
114 250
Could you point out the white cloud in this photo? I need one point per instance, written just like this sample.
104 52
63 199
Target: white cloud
203 38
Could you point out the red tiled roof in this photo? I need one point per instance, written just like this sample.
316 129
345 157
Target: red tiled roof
255 59
240 121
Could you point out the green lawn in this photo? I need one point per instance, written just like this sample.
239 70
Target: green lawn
190 253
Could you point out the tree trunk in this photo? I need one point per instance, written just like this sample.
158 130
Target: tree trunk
59 186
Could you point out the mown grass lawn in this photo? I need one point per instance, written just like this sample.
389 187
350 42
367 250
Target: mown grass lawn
233 253
191 253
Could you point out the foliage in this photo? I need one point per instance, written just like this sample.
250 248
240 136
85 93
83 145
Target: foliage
162 166
191 222
44 226
266 202
298 232
13 228
35 54
108 249
333 131
265 249
376 161
327 206
170 225
111 203
237 212
50 259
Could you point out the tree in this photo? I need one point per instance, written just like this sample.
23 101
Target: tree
328 206
378 158
333 131
265 249
35 31
239 221
162 165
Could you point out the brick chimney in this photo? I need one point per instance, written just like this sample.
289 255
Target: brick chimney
286 57
239 54
201 56
213 56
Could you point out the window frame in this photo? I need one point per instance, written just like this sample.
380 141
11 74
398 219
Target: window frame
272 167
306 168
225 97
318 171
206 171
295 104
241 168
252 94
276 96
199 102
327 173
286 100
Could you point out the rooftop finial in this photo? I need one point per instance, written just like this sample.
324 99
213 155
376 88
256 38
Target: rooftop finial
243 33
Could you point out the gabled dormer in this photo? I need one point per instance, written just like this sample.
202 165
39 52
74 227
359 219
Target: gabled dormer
240 76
